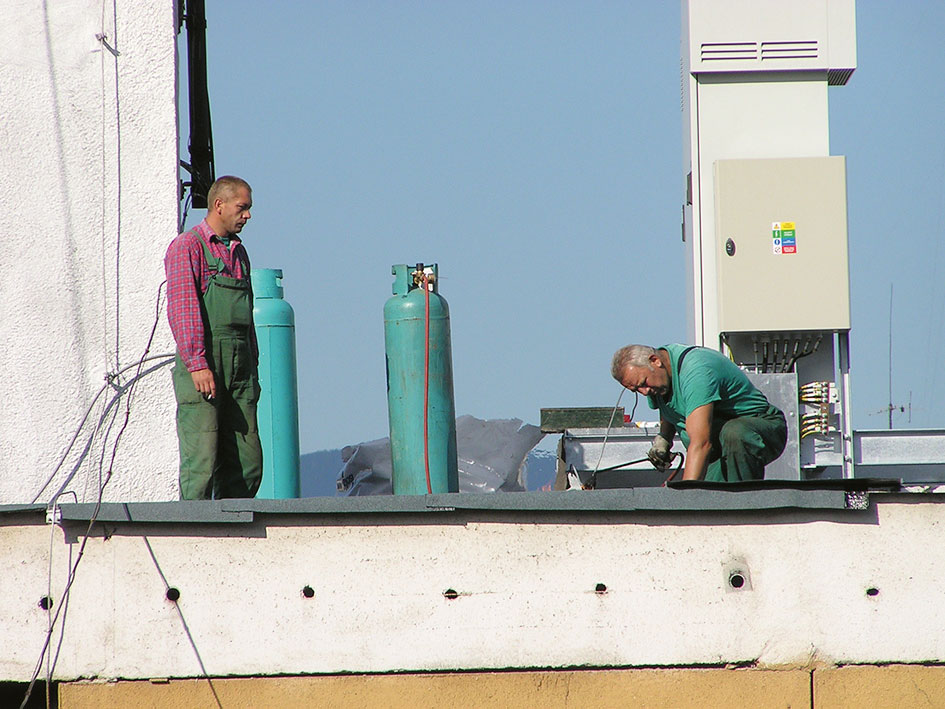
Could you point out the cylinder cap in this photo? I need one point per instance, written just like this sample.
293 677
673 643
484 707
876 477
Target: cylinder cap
266 283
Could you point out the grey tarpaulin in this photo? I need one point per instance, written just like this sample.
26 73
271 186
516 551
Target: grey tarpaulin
490 457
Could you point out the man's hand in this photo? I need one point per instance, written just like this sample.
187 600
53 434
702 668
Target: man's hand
205 383
659 454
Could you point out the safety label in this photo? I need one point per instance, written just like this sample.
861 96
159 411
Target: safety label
783 236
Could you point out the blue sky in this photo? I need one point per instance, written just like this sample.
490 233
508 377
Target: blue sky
534 151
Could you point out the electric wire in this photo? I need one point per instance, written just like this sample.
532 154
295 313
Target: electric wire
593 481
85 538
803 353
48 599
129 388
627 464
187 202
127 392
609 426
168 359
103 215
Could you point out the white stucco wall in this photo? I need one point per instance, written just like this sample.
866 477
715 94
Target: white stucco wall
88 185
526 585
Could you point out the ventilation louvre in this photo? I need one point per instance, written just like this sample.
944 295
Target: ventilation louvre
838 77
765 51
726 51
789 50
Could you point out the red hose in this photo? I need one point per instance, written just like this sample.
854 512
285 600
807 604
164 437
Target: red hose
426 383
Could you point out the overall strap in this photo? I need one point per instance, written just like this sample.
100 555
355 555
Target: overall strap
215 264
682 357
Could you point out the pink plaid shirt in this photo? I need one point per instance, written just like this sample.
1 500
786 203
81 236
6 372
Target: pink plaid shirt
186 269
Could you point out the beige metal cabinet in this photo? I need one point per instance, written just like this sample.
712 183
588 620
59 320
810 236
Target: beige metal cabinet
782 244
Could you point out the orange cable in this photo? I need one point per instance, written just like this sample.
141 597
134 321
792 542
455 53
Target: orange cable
426 383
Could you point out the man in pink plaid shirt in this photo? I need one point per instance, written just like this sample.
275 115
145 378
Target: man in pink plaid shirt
210 310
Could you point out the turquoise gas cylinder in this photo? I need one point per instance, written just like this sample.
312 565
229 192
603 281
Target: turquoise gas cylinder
278 409
414 388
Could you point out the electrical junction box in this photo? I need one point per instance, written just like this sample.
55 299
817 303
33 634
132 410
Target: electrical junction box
781 239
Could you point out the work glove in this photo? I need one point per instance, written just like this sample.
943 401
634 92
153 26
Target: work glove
659 454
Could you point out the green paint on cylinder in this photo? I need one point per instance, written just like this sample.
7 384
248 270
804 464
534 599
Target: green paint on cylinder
405 340
277 412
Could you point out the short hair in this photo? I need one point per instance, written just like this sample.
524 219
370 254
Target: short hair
631 356
224 188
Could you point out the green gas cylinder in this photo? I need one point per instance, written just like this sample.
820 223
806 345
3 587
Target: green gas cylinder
420 383
278 409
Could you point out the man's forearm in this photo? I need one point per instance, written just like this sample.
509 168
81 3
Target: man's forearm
667 430
697 460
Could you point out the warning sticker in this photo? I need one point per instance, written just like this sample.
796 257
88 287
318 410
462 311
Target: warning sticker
783 238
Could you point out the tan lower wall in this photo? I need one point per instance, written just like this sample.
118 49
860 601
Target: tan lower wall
655 689
893 687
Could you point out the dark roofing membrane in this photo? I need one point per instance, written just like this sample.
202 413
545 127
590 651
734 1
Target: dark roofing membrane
677 497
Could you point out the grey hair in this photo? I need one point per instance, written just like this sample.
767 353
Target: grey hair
225 187
630 356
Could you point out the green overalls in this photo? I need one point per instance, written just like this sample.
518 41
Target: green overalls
742 443
218 439
743 446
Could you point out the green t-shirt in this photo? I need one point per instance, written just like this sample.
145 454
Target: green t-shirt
707 377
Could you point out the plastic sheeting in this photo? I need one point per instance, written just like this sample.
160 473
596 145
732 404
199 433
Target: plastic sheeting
490 455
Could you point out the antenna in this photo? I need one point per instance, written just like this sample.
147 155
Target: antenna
891 407
890 355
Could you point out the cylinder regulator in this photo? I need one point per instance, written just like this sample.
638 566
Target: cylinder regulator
278 407
420 384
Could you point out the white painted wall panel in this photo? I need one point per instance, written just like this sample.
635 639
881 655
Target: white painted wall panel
526 586
88 178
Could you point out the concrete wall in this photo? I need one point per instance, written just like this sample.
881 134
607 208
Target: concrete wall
532 590
88 178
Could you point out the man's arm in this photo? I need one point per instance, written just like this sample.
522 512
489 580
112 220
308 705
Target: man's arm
246 269
699 428
182 267
667 430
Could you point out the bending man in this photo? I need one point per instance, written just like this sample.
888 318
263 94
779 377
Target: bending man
727 425
210 310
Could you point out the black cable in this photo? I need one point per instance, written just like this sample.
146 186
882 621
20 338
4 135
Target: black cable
187 202
621 465
635 462
636 399
129 390
168 357
682 459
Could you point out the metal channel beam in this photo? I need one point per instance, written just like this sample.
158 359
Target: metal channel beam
892 447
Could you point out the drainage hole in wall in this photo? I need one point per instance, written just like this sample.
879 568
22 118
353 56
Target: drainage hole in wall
45 603
308 592
600 588
736 580
172 594
450 594
872 591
